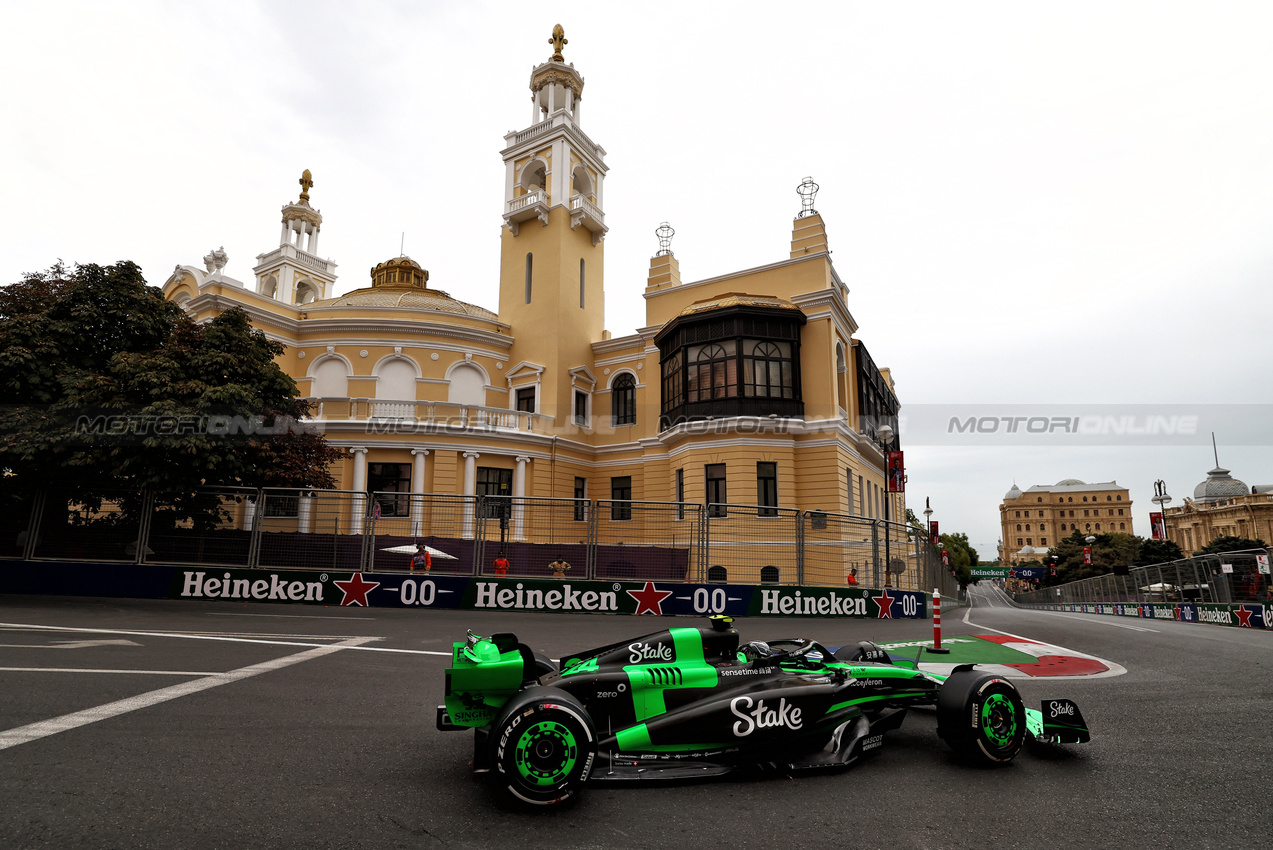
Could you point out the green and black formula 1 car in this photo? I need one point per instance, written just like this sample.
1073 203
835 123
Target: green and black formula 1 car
691 702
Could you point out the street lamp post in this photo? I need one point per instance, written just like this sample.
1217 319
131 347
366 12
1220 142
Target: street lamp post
928 526
885 433
1161 499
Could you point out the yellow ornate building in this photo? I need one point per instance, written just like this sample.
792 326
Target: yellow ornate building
1033 521
1222 506
746 388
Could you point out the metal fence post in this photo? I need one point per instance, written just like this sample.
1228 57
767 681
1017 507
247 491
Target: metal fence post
799 520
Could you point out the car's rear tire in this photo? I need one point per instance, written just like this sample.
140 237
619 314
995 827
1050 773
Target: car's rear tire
864 651
542 749
981 717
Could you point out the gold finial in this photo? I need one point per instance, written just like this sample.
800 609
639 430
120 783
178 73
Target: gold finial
558 41
307 183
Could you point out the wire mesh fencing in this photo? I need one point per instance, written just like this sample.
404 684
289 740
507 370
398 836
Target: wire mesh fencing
17 512
351 531
647 540
1229 577
308 529
400 524
206 527
753 544
538 537
74 526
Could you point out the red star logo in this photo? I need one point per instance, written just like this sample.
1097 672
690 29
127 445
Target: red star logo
886 605
1244 616
355 590
649 598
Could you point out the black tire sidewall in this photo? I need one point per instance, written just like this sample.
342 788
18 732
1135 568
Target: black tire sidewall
959 702
534 706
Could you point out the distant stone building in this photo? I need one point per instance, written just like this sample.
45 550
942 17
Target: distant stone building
1222 506
1032 521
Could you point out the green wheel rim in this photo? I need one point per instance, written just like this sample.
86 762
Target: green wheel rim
999 719
545 753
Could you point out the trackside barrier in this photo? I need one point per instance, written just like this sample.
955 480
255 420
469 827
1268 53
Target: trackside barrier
351 531
471 593
1226 589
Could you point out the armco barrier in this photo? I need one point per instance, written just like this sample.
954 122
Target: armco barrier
476 593
1252 615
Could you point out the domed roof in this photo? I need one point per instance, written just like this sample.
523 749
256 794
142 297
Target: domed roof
1219 485
402 283
1067 481
1014 492
739 299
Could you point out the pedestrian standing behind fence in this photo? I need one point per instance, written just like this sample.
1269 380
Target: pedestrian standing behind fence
501 565
559 567
421 560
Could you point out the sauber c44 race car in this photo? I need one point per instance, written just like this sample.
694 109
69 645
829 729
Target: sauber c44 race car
691 702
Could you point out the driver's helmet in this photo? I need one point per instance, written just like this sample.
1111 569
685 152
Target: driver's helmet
756 650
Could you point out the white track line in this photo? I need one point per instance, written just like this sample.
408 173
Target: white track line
1097 622
1114 668
284 616
341 646
96 670
45 728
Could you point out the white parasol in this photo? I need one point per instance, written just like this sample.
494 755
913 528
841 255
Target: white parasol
410 550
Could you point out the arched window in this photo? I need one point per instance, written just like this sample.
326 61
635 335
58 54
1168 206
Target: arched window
623 400
767 370
713 372
269 286
331 379
467 385
305 292
530 263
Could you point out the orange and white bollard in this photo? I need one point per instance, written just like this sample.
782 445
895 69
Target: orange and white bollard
937 623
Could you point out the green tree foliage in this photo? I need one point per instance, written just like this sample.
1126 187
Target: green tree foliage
1157 552
1108 551
962 557
1231 544
80 345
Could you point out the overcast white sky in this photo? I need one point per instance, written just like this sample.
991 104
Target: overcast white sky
1031 203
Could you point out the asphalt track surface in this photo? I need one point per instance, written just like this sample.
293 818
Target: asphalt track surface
136 723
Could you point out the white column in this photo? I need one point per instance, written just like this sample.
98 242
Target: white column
519 493
417 486
282 234
552 98
570 100
534 108
470 489
313 240
302 522
578 111
359 506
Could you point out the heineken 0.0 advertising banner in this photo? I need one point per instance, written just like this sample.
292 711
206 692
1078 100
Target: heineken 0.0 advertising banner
476 593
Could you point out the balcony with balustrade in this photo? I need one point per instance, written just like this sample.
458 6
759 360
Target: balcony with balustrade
533 204
585 212
403 415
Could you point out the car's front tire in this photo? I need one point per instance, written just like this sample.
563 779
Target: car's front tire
542 749
981 717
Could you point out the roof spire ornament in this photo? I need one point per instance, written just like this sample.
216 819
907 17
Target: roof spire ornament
307 183
558 41
807 190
